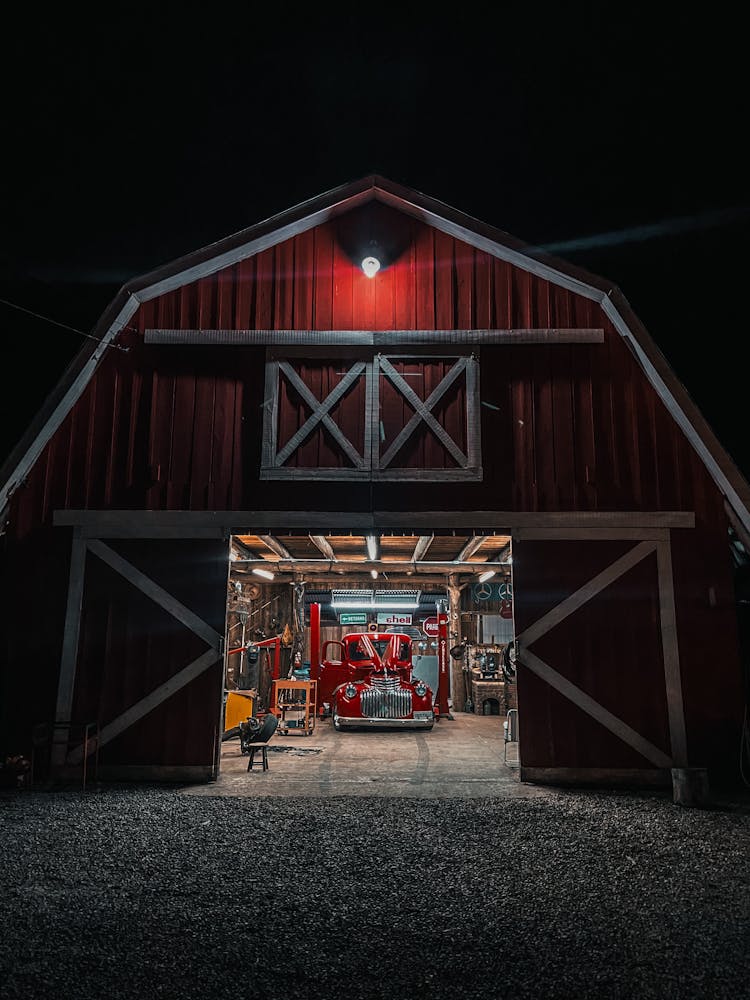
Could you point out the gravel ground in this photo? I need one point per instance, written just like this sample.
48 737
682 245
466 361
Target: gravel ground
147 892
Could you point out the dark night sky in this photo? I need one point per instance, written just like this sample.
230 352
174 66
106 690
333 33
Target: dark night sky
614 136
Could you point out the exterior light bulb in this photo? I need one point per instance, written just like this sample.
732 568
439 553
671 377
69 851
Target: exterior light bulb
371 266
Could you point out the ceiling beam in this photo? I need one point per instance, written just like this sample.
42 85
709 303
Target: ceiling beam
275 546
471 547
372 546
242 550
322 543
423 544
503 555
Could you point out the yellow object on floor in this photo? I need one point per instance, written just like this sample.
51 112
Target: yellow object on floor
238 707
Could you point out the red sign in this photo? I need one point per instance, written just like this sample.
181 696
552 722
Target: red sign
430 626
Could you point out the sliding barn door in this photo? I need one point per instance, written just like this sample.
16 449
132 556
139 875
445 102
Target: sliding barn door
149 666
599 691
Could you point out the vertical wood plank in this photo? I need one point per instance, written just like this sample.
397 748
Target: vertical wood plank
425 279
343 303
323 280
286 286
444 282
265 290
203 440
303 277
244 294
404 290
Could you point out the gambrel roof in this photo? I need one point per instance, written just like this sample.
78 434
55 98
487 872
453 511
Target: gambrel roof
442 217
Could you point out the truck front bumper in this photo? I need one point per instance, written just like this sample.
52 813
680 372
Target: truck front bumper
353 722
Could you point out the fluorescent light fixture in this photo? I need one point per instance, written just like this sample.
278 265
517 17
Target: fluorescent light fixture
374 574
371 266
372 546
265 573
369 606
486 575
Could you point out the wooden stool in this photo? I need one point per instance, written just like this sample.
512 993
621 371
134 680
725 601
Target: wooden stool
261 748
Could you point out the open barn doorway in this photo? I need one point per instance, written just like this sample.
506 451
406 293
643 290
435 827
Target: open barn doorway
307 613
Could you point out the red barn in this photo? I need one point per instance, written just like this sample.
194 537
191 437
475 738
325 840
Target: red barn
468 395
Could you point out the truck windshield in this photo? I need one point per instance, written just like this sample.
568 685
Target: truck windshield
357 653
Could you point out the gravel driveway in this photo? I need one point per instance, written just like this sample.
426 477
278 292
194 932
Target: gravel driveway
147 892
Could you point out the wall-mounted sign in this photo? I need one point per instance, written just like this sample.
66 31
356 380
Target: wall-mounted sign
493 591
481 591
393 618
430 626
352 619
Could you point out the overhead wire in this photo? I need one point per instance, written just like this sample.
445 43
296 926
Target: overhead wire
64 326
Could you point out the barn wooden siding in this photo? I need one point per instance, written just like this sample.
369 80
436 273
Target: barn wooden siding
565 427
577 426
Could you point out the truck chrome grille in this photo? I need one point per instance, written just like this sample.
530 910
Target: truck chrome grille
386 683
392 702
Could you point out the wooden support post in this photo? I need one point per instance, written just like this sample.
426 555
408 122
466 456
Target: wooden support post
670 648
458 685
66 682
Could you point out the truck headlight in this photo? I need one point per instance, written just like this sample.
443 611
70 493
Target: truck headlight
350 690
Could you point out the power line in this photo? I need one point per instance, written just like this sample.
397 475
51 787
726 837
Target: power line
47 319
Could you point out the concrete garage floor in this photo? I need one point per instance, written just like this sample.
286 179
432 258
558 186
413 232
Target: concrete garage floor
463 757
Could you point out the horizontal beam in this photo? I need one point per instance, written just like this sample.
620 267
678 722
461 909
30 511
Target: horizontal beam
221 524
376 338
597 776
364 566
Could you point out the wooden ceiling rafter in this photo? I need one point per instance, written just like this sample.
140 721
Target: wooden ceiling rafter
400 553
322 543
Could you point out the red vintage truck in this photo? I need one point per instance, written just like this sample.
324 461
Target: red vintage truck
366 680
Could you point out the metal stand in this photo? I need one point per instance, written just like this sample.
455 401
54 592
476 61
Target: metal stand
295 704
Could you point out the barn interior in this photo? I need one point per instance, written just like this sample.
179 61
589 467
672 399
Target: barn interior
292 598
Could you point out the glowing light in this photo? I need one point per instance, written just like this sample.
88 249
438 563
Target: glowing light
374 574
371 266
370 606
486 575
372 546
266 574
